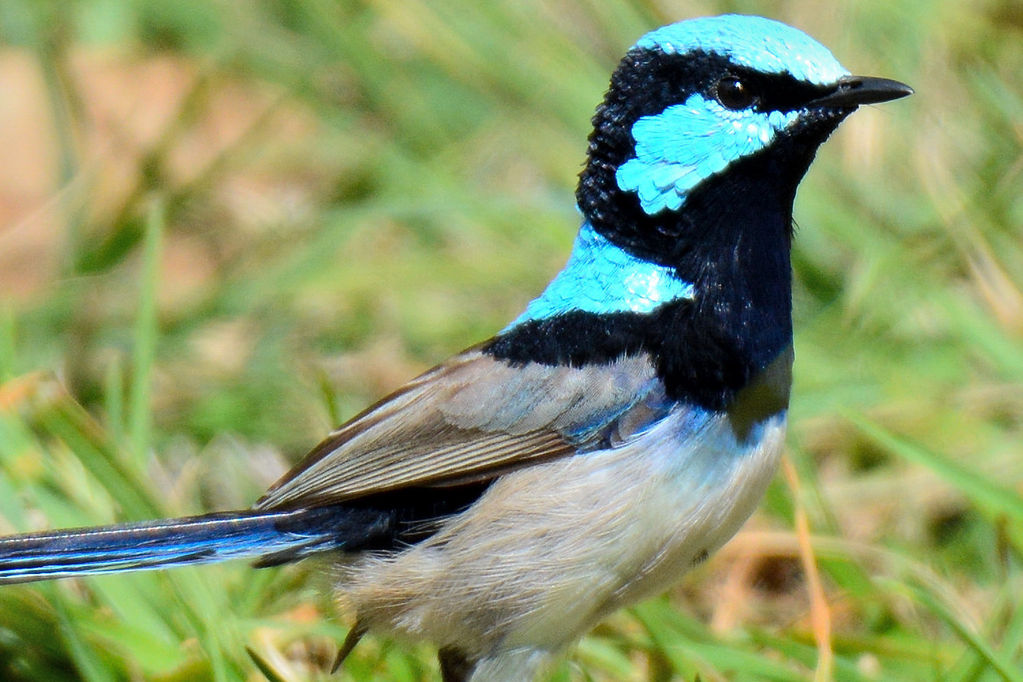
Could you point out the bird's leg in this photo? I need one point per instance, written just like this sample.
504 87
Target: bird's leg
351 640
454 665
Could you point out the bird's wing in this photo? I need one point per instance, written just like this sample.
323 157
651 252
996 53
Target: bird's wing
471 419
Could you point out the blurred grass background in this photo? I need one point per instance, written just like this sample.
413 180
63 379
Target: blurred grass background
227 226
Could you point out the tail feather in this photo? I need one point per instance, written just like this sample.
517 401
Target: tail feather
272 537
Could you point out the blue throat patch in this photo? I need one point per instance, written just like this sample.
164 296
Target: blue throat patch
599 277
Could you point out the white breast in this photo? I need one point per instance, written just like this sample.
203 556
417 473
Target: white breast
550 550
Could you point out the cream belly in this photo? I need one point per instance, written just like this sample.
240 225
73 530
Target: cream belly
550 550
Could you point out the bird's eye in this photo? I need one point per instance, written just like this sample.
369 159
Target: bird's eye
734 94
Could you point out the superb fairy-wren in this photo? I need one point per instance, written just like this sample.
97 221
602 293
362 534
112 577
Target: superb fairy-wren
618 431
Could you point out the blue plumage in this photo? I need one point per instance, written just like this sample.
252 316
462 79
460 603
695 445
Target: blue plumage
683 145
269 536
686 144
620 429
760 44
603 278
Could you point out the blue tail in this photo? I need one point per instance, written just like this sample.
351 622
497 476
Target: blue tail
271 537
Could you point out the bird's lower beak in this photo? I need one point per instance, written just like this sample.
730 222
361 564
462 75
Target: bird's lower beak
852 91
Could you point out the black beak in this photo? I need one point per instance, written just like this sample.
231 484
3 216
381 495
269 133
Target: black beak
852 91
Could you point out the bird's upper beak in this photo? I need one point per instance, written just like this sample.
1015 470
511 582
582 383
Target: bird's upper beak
851 91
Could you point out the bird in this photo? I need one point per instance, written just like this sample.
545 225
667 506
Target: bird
613 435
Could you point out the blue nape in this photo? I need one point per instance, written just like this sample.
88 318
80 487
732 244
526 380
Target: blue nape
760 44
603 278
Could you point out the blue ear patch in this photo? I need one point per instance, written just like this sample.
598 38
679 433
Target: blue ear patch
757 43
687 143
602 278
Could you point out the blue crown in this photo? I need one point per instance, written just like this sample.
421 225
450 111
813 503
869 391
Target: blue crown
755 42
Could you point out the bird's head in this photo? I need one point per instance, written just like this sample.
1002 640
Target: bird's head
711 123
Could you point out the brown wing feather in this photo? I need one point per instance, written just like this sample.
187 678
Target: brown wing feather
471 418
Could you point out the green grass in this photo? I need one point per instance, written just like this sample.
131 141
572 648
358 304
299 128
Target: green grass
306 203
